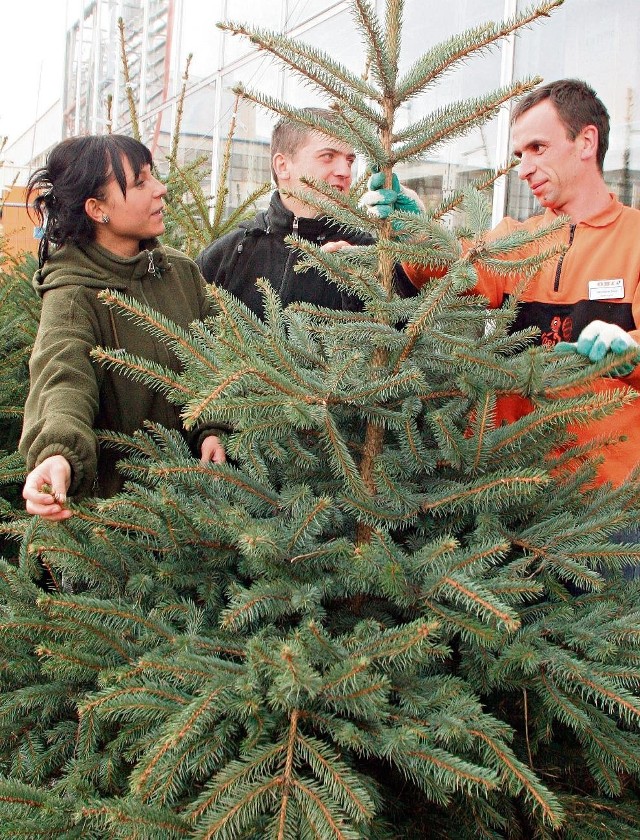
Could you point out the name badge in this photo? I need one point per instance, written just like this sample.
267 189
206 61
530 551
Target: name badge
612 289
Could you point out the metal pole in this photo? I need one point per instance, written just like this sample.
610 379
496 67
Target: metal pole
504 118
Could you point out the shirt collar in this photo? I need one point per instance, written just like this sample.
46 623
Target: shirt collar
602 219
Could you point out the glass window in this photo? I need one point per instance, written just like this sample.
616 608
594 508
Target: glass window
453 165
299 12
603 50
250 156
200 37
257 14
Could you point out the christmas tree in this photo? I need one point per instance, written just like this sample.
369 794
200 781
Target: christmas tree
20 308
385 617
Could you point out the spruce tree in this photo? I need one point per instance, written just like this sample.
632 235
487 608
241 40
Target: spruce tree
384 617
20 313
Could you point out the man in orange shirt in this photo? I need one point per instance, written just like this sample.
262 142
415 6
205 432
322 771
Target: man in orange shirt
588 299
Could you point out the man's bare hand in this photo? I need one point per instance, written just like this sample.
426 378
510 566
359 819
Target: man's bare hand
212 451
332 247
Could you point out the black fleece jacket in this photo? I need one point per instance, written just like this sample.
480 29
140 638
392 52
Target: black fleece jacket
256 248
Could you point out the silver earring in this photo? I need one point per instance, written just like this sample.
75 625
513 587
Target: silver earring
105 219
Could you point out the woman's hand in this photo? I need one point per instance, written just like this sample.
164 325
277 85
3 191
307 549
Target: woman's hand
45 489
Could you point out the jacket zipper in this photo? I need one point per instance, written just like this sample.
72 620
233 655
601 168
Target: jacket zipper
556 282
153 270
290 257
152 266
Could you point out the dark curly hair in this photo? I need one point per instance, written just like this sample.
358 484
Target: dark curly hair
78 168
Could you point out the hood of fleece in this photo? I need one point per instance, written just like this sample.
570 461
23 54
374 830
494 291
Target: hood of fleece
95 267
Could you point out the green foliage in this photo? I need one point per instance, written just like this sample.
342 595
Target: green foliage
385 617
20 307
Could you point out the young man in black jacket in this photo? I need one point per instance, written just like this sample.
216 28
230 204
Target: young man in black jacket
256 248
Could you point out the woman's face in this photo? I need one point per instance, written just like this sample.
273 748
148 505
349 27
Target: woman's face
134 216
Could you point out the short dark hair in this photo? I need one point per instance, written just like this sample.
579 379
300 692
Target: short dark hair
577 105
288 135
79 168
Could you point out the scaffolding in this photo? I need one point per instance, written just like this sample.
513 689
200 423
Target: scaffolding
94 72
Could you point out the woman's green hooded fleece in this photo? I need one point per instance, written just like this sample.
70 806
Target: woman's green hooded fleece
71 396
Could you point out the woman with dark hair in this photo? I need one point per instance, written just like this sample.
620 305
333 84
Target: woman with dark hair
101 208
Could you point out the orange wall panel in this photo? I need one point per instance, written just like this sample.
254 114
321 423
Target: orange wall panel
18 227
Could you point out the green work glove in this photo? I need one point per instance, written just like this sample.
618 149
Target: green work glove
381 202
599 338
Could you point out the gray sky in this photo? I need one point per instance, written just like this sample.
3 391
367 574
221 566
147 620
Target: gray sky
31 60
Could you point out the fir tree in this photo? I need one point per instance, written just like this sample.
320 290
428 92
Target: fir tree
366 624
20 310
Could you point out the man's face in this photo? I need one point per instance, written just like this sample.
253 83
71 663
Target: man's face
550 162
322 158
